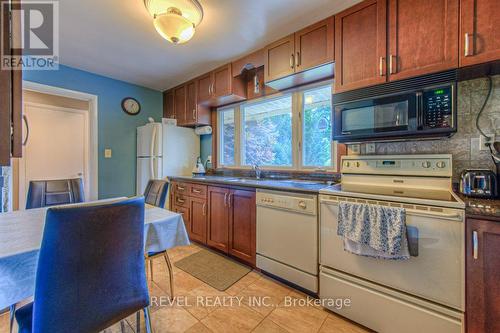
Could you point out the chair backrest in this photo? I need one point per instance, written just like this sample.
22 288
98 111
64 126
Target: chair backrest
91 271
43 193
156 192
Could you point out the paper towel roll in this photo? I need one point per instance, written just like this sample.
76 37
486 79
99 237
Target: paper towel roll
204 130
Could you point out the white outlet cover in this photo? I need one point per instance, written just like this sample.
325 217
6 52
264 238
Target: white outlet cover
482 141
209 159
370 148
108 153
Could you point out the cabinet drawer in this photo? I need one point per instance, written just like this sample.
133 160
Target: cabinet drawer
181 188
184 212
198 191
181 200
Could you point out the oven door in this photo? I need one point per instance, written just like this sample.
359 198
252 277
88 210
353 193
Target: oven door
435 270
376 118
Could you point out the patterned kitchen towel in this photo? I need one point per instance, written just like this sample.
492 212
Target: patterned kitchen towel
373 231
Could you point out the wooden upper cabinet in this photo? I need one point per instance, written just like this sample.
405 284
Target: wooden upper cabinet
218 218
479 31
242 225
423 37
204 88
249 62
180 104
314 45
222 80
482 276
191 102
279 58
168 104
360 45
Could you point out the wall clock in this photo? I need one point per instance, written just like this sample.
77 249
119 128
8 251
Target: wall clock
131 106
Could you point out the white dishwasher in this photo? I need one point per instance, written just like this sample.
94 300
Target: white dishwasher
287 237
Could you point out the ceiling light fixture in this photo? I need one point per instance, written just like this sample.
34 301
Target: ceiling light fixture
175 20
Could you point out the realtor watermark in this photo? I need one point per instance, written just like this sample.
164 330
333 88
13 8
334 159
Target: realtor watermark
30 35
252 301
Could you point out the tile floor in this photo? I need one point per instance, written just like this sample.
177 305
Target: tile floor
192 313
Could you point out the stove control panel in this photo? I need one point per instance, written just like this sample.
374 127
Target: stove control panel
410 165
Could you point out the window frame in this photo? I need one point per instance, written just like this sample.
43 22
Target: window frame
297 95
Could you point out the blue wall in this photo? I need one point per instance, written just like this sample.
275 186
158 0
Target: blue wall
116 129
205 146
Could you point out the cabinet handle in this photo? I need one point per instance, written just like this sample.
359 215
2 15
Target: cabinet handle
291 61
381 66
180 188
297 60
204 209
391 65
229 200
225 199
467 45
212 89
475 244
196 191
194 114
25 142
180 201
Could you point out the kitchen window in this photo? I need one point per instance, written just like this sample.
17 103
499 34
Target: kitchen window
289 131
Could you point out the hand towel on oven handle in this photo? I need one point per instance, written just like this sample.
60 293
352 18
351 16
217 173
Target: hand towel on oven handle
373 231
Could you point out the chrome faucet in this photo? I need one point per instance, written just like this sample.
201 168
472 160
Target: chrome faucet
257 171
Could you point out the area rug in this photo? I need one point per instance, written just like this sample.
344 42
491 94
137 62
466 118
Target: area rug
215 270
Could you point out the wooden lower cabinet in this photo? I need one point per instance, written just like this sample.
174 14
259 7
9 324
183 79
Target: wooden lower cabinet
221 217
482 276
198 225
242 225
218 218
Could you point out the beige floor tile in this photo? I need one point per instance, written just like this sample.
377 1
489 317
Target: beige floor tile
264 295
232 319
298 318
198 328
172 320
340 325
244 282
183 283
202 300
268 326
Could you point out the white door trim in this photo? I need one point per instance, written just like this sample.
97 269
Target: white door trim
93 129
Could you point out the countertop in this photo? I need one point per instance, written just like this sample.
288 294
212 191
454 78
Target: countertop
304 186
481 208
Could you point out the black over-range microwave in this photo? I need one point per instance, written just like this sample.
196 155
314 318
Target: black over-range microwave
417 108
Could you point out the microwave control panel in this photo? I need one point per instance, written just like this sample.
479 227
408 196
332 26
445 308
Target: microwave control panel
438 107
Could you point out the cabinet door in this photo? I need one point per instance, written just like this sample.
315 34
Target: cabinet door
314 45
168 104
198 227
180 104
279 59
479 31
482 276
218 218
423 37
360 46
242 225
222 81
185 216
191 102
204 88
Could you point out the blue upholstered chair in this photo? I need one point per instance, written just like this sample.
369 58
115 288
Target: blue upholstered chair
156 195
91 271
43 193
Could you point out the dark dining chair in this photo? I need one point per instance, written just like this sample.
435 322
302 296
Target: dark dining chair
91 271
43 193
156 195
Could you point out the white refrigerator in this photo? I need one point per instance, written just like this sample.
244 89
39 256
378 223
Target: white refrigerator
164 150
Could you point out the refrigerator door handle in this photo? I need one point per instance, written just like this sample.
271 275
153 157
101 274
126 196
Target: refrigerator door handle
152 151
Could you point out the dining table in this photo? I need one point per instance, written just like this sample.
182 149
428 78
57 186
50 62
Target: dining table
21 236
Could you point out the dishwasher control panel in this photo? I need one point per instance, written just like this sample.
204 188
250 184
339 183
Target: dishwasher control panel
302 203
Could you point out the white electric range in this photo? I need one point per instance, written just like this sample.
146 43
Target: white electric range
422 294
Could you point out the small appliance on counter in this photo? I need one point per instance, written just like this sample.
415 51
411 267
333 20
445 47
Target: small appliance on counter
479 183
199 169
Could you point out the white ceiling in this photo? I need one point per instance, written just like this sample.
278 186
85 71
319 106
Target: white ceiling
116 38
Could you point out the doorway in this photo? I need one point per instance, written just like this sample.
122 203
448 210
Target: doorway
60 139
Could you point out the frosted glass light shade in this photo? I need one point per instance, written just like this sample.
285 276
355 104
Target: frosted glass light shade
174 28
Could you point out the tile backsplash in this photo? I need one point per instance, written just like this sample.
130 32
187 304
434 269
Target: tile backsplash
464 145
